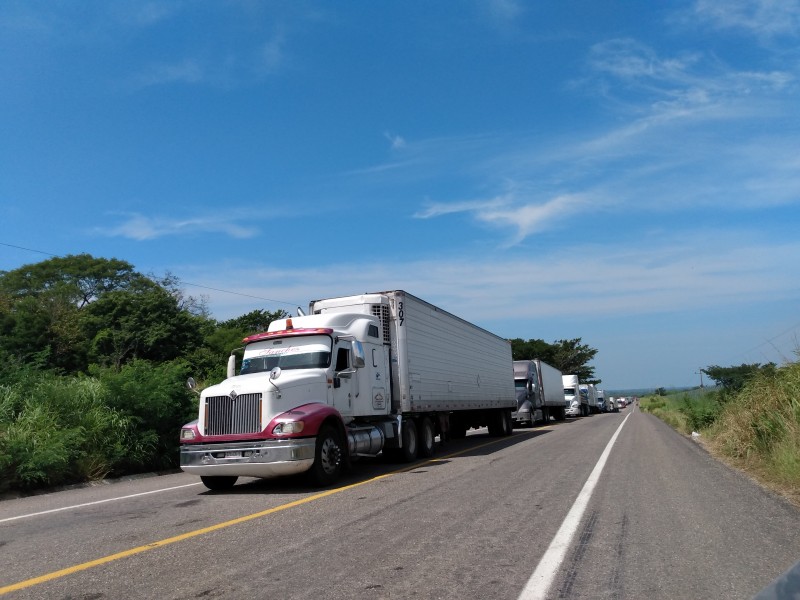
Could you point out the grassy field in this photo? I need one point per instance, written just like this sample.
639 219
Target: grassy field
755 429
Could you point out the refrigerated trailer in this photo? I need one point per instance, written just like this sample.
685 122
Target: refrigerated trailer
540 393
383 372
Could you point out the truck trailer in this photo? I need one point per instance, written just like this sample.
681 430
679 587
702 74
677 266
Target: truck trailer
589 398
358 376
540 392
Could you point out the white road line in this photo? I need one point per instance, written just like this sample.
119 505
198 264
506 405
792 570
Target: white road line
539 584
74 506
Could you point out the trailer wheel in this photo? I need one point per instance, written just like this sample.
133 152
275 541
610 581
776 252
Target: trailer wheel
218 482
327 458
408 452
506 423
427 437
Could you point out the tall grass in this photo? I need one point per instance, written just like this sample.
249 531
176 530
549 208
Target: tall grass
56 430
757 428
760 427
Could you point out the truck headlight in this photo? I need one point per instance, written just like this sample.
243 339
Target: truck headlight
187 434
288 428
574 404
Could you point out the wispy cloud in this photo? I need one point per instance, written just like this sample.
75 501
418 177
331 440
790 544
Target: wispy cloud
395 140
762 18
695 271
187 71
142 228
509 212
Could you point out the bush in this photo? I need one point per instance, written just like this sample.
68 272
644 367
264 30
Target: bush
155 398
56 430
700 413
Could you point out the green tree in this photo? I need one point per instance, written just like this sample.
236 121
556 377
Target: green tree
568 356
573 357
143 321
41 306
732 379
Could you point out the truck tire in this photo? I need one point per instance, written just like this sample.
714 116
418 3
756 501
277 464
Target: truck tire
500 424
328 459
507 423
427 437
408 453
561 413
218 482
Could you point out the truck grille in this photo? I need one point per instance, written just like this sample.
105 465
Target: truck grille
227 415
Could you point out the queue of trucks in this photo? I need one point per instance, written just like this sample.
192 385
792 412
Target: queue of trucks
382 373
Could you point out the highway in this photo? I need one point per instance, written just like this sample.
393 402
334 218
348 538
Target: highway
662 520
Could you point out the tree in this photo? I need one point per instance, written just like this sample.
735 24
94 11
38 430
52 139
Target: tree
732 379
573 357
143 321
568 356
41 306
82 278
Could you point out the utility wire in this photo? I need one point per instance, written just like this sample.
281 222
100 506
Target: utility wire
197 285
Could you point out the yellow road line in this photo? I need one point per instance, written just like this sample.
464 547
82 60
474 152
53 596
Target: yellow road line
190 534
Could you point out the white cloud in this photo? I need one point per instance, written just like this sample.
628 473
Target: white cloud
763 18
395 140
141 228
187 71
508 212
656 275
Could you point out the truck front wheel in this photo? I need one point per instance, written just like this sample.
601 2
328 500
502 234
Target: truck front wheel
328 458
218 482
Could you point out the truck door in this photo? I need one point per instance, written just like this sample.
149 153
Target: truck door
345 384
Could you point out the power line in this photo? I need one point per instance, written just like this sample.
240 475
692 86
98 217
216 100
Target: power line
205 287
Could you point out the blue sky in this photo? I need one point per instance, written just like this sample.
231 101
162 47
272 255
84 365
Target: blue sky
623 172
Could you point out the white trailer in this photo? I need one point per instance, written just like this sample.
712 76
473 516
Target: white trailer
359 375
589 398
540 392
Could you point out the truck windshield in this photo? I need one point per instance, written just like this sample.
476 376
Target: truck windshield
307 352
569 391
520 383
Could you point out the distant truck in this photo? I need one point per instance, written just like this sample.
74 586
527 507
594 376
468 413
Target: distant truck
601 401
589 398
540 392
383 372
573 403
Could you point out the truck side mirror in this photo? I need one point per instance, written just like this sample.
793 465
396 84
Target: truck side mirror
231 365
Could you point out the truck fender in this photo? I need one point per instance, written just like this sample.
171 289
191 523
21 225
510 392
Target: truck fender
313 415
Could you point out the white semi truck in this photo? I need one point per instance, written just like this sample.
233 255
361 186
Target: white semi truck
573 401
589 398
540 392
357 376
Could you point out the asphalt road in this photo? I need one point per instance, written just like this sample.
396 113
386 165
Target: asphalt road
664 521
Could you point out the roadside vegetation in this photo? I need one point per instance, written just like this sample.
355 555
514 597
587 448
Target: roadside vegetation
94 359
751 420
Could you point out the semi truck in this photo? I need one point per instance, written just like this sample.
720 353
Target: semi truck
574 403
540 392
589 398
358 376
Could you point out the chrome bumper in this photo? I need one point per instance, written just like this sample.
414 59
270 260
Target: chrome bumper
266 458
